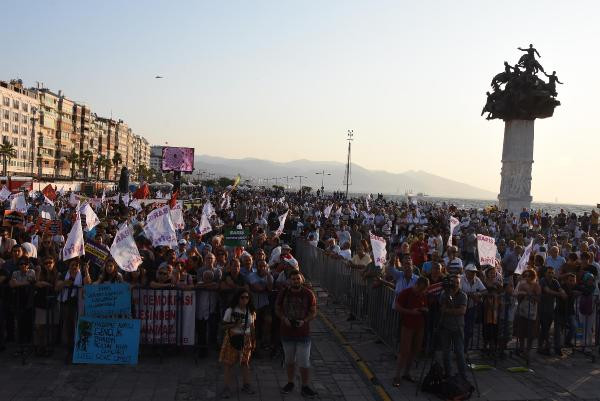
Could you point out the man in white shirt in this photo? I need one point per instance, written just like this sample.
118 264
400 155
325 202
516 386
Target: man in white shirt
471 285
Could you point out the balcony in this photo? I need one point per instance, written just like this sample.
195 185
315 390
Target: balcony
46 142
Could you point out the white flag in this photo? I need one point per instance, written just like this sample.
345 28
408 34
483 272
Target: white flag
177 216
367 204
205 226
486 248
61 191
73 201
379 251
208 210
135 204
74 246
18 203
45 215
125 199
48 201
91 219
159 227
103 196
281 223
454 222
124 250
4 194
327 211
524 259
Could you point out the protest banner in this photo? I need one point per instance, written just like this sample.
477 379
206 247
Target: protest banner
524 259
162 312
159 227
12 218
379 252
18 202
236 237
74 246
177 216
486 249
89 217
107 300
281 219
208 210
124 250
96 252
106 341
4 194
454 222
204 226
327 211
48 226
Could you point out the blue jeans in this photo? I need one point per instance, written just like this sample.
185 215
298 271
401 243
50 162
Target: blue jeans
453 340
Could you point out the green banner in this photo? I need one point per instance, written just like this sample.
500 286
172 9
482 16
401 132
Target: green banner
235 237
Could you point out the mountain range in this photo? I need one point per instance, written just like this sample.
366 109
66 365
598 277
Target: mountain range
362 179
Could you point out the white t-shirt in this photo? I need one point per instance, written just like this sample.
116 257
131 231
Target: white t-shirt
238 315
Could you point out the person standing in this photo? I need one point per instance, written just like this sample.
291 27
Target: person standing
296 306
412 304
453 303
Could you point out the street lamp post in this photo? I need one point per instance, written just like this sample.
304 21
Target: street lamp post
322 173
300 177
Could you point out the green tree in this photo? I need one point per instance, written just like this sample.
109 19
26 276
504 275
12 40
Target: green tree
72 158
7 152
85 159
107 164
99 163
306 189
224 181
116 161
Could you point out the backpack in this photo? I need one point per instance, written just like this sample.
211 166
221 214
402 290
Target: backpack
455 388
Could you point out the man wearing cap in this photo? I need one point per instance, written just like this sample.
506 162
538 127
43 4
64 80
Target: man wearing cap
474 288
181 252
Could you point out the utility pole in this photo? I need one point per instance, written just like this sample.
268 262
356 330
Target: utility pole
348 168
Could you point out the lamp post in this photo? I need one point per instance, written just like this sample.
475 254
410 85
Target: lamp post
300 177
322 173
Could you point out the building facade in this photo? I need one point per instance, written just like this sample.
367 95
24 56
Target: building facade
45 129
156 157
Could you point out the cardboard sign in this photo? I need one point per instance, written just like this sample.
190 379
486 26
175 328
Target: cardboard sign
107 300
162 312
106 341
235 237
96 252
12 218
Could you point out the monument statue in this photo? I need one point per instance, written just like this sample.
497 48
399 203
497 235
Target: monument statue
518 97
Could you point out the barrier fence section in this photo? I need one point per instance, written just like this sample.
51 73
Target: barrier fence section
494 322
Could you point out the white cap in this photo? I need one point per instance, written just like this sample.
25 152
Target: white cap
470 268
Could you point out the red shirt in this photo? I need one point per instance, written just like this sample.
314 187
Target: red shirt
418 252
410 299
296 306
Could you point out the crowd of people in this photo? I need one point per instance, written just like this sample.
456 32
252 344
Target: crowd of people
254 300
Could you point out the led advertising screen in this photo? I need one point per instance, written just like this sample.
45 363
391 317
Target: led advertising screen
178 159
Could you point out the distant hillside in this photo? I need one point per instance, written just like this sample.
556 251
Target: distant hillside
363 180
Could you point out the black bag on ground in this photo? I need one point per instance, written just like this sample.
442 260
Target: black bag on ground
455 388
433 379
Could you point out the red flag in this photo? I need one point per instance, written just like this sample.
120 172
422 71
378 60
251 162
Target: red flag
142 192
173 200
49 192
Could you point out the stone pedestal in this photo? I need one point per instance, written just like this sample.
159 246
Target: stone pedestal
517 159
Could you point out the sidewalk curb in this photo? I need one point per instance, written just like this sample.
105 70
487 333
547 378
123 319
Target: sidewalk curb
384 396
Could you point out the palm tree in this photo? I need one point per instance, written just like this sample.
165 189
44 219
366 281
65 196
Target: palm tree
107 164
73 159
7 152
85 158
99 163
116 160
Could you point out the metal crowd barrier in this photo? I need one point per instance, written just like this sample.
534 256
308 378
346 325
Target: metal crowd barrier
489 325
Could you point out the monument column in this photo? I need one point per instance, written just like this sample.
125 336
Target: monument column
517 160
518 97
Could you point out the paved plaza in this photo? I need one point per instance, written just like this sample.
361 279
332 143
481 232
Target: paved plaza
337 374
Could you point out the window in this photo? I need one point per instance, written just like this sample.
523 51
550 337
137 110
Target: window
15 142
23 130
25 106
6 101
15 117
5 127
6 114
24 154
15 104
24 143
24 119
4 139
15 129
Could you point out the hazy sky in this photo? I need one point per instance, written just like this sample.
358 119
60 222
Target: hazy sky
284 80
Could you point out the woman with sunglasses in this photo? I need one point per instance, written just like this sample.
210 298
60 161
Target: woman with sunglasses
163 278
528 293
238 322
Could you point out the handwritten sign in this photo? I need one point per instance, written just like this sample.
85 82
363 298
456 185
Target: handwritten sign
235 237
106 341
107 300
379 251
47 226
486 248
161 314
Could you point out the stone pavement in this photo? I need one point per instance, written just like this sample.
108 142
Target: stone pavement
336 374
